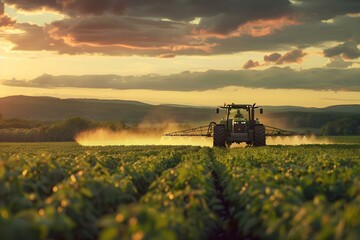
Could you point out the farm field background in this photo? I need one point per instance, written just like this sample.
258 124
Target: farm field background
67 191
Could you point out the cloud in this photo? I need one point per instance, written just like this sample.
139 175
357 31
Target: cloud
251 64
217 16
308 34
274 57
34 38
217 13
200 7
5 21
167 55
294 56
154 28
71 7
348 50
81 35
272 78
229 16
108 35
128 32
338 62
326 9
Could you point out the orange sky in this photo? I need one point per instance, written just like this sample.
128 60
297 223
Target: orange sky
137 40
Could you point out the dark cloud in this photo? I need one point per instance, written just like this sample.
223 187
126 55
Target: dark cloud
33 38
5 21
71 7
105 37
81 7
124 36
338 62
112 30
309 33
326 9
272 57
123 27
238 10
251 64
294 56
219 16
232 15
30 5
348 50
272 78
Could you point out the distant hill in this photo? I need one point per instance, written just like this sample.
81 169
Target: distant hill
343 108
337 108
52 109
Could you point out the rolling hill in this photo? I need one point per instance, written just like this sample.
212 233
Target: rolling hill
52 109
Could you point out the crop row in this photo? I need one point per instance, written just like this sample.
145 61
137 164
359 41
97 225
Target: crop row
66 191
47 195
299 193
180 204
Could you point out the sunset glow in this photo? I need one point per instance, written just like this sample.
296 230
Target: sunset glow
254 50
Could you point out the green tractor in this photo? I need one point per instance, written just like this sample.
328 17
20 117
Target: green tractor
241 127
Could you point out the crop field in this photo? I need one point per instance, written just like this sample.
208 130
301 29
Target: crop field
67 191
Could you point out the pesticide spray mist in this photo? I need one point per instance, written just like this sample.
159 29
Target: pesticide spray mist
296 140
106 137
144 135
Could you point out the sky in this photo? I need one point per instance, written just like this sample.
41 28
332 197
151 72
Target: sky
192 52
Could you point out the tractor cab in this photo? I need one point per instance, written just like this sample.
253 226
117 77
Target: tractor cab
236 122
238 118
239 122
238 125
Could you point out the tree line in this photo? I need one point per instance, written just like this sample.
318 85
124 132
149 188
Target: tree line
322 123
16 130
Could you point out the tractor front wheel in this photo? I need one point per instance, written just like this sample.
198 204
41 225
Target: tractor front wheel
219 136
259 135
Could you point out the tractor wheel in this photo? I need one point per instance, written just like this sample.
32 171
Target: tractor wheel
219 136
259 136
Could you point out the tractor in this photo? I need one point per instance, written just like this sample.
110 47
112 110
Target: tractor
237 128
239 125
